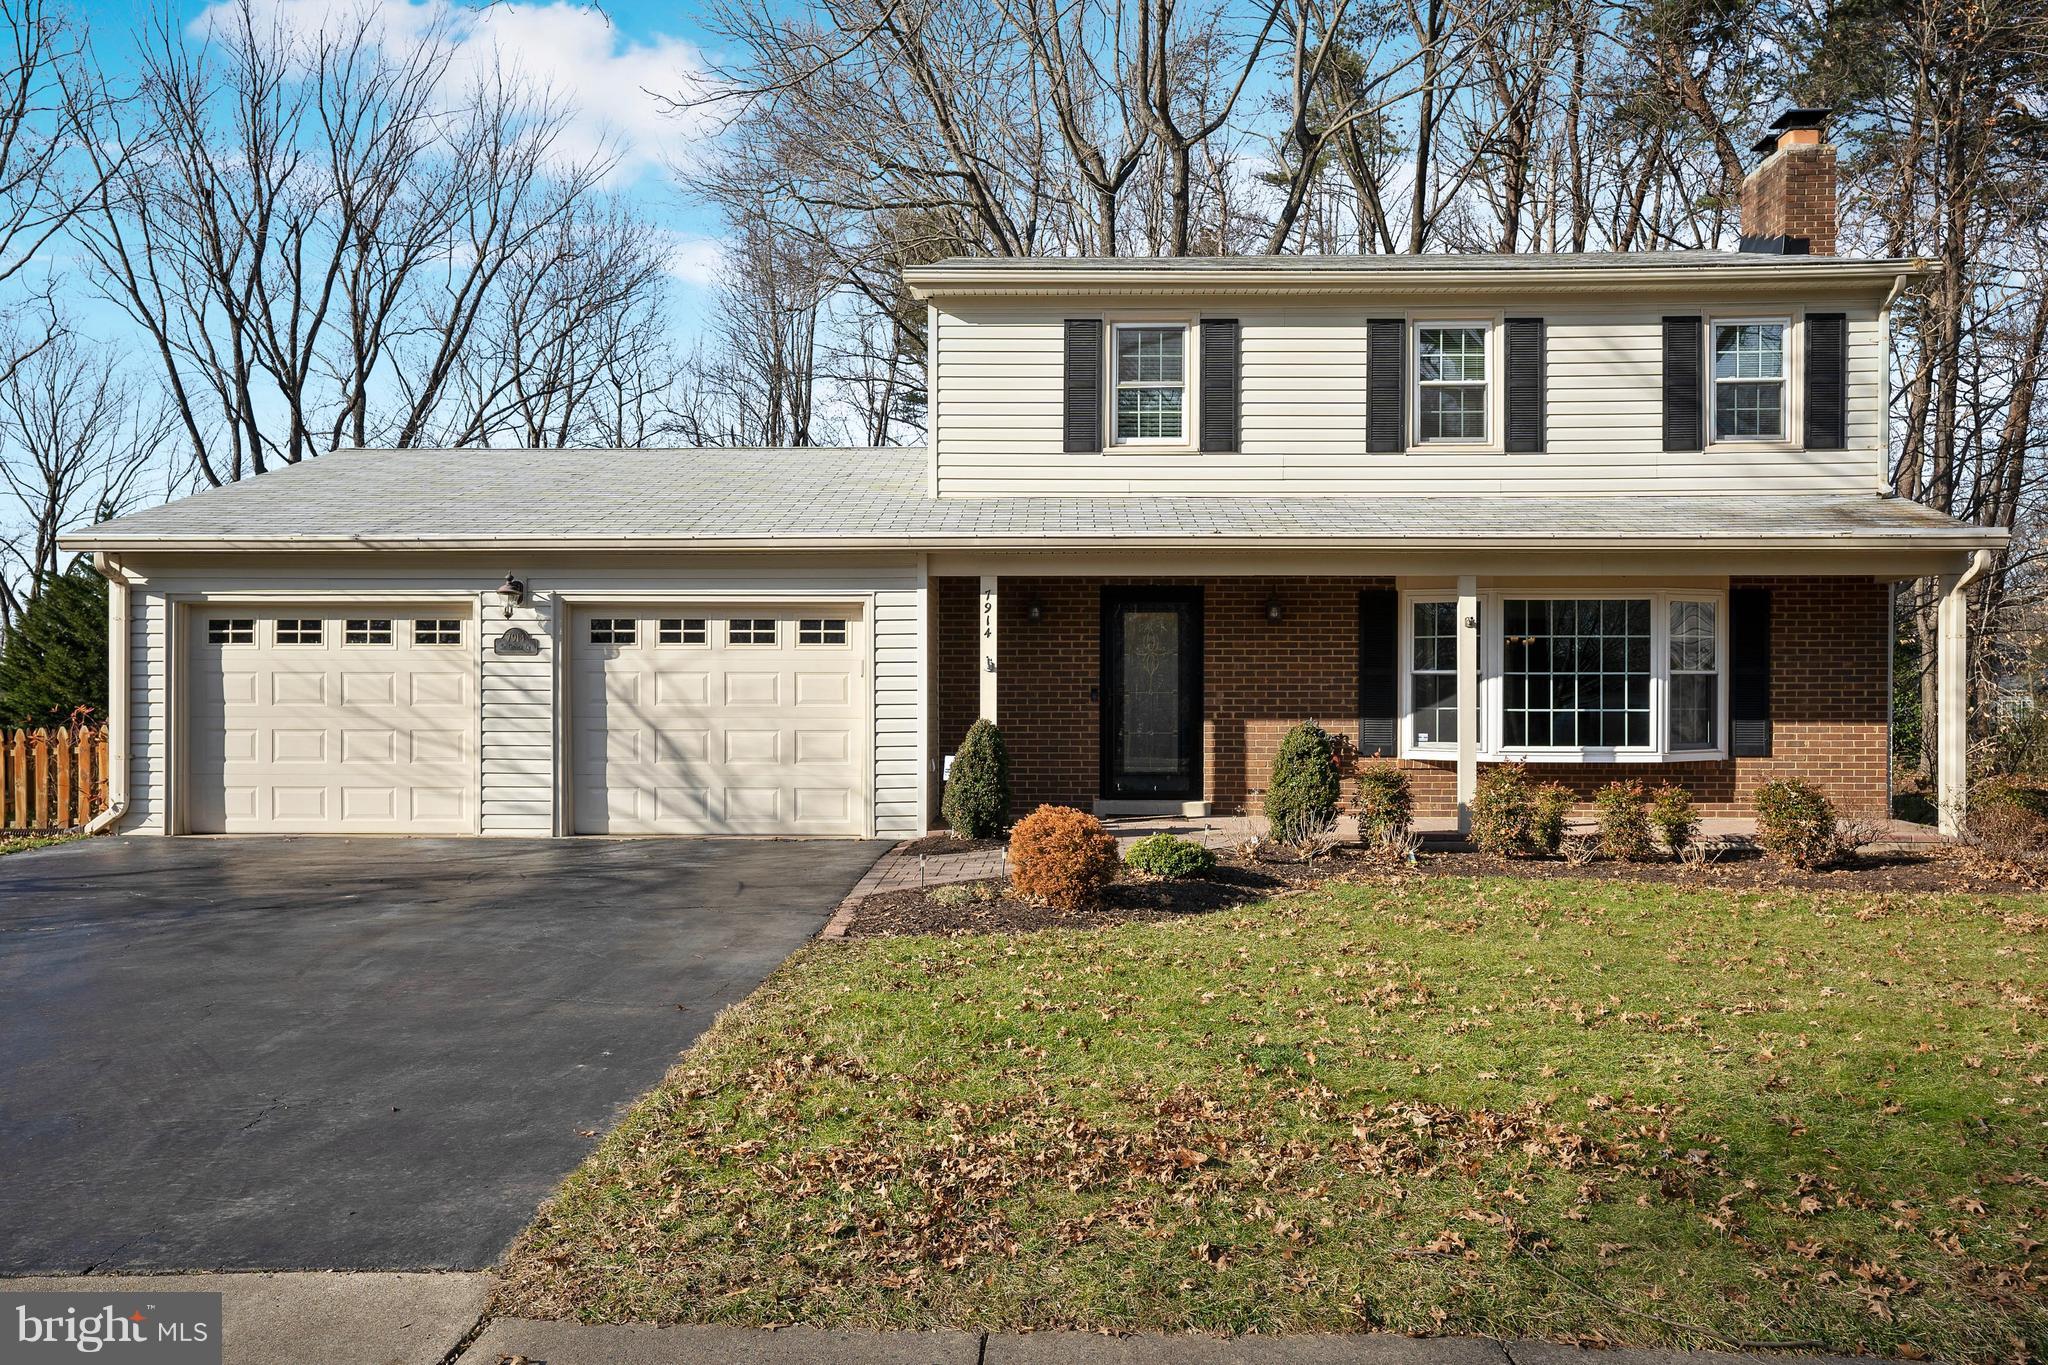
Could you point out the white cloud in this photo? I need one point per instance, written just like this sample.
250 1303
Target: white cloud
695 261
610 85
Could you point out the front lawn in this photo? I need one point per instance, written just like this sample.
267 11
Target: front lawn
1589 1110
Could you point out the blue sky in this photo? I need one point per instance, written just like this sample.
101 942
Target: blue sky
606 60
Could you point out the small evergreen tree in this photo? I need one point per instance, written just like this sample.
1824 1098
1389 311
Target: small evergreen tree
54 661
1302 797
977 799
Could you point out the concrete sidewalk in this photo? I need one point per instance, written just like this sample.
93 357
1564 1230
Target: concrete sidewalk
366 1318
516 1342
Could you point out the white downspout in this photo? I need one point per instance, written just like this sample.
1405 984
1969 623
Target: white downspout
119 703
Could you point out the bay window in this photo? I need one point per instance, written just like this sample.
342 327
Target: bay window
1633 676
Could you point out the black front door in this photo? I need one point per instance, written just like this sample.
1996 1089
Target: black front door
1152 693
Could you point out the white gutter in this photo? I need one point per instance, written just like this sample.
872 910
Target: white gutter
1980 564
118 700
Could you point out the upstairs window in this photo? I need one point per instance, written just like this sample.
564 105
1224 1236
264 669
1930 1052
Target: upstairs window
1450 382
1151 383
1749 381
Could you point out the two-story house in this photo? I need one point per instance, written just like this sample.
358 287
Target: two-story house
1605 514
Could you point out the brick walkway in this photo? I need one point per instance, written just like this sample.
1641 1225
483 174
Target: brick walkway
898 870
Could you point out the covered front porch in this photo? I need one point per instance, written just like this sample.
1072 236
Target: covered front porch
1159 686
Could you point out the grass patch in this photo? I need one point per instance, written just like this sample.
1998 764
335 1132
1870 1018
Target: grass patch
22 843
1584 1110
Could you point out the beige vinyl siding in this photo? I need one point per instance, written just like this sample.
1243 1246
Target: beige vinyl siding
518 724
998 399
148 695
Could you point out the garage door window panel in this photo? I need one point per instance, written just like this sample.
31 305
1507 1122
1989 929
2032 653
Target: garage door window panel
436 631
613 630
683 630
299 631
812 631
374 631
231 630
750 630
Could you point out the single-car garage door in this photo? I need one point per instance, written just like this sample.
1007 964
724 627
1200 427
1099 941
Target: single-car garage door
742 719
302 720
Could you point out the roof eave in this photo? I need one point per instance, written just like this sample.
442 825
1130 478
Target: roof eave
1933 538
935 281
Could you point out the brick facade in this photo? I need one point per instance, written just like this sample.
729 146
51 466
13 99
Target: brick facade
1829 707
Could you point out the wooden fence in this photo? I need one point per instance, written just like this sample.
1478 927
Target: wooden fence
52 779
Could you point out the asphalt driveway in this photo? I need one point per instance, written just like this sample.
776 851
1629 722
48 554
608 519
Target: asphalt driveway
352 1053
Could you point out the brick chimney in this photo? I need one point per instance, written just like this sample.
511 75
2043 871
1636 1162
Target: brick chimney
1788 200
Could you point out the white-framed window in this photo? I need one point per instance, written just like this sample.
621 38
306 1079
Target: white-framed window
1694 641
1750 371
366 630
613 630
1149 389
231 630
1636 675
1453 370
814 631
292 630
681 630
750 630
1433 671
429 630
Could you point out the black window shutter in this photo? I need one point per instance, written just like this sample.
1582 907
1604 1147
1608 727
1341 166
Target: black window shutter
1525 384
1749 673
1385 384
1379 683
1222 365
1084 385
1827 381
1683 343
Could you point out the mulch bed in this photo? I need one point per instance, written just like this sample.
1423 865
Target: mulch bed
934 844
1240 879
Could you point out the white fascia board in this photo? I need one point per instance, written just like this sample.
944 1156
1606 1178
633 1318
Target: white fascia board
929 283
1961 537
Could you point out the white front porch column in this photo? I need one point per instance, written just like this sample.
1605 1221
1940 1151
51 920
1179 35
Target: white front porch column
1468 698
987 632
1951 702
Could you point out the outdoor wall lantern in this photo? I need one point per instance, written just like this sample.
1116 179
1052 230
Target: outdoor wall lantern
511 592
1035 612
1275 613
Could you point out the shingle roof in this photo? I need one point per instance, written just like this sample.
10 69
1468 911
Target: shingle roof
1449 262
867 497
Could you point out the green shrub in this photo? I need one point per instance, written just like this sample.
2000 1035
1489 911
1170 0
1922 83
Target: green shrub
1504 812
1386 806
1625 822
977 798
1166 855
2008 818
1301 800
1676 822
1550 805
1063 857
1795 823
53 664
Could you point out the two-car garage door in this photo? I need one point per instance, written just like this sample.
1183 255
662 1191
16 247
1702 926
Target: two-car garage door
743 719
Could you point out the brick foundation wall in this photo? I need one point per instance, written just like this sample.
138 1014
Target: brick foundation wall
1828 703
953 687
